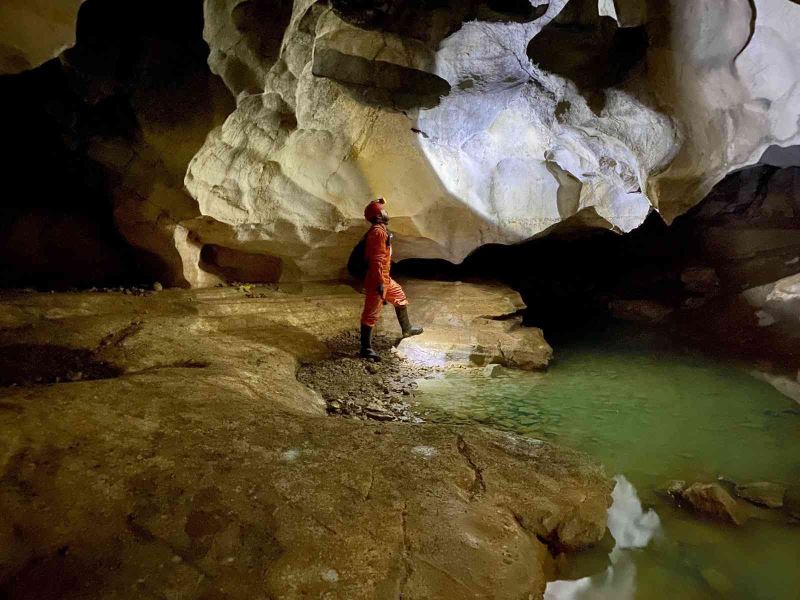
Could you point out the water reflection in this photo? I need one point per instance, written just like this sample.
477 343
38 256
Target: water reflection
630 527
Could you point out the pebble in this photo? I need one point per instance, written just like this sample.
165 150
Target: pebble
355 388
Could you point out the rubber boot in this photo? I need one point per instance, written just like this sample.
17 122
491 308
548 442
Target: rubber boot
405 322
366 344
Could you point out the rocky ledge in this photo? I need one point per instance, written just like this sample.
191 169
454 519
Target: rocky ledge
466 325
168 450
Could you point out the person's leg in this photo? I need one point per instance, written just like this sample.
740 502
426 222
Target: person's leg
373 304
395 295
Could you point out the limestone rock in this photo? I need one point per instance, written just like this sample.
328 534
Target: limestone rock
701 280
202 454
781 299
35 31
245 39
713 500
492 370
473 134
675 488
788 386
469 324
506 343
763 493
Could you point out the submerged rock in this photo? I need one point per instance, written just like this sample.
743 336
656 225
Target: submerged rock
762 493
713 500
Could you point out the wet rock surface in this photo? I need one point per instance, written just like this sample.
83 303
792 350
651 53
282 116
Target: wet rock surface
725 500
762 493
713 500
466 325
207 470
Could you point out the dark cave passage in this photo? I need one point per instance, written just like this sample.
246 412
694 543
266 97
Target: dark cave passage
70 119
745 234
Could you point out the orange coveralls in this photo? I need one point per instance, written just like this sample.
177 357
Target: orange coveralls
379 257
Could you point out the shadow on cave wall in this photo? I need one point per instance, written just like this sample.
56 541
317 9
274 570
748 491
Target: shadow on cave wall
56 226
590 50
56 223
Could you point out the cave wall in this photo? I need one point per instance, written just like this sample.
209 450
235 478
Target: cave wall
476 132
104 134
482 121
56 225
35 31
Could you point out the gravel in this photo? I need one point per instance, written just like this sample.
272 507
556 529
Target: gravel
357 388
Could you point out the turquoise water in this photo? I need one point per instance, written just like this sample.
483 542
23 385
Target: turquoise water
653 414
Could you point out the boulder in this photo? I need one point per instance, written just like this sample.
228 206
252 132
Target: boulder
675 488
471 325
713 500
763 493
492 370
505 343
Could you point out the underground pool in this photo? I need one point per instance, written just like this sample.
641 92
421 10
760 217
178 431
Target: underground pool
652 412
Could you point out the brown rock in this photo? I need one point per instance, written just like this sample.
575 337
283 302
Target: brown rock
675 488
713 500
700 280
472 325
204 446
762 493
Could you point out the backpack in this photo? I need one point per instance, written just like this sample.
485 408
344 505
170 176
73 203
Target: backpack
357 264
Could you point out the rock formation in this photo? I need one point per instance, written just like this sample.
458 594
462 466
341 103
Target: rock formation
157 73
473 326
194 463
34 31
481 122
763 493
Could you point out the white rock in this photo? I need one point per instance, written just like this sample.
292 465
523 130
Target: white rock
289 172
425 451
492 370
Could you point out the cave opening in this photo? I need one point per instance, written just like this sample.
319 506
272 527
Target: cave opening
236 266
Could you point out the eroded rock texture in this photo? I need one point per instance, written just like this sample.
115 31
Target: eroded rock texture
153 71
199 467
481 121
34 31
98 142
